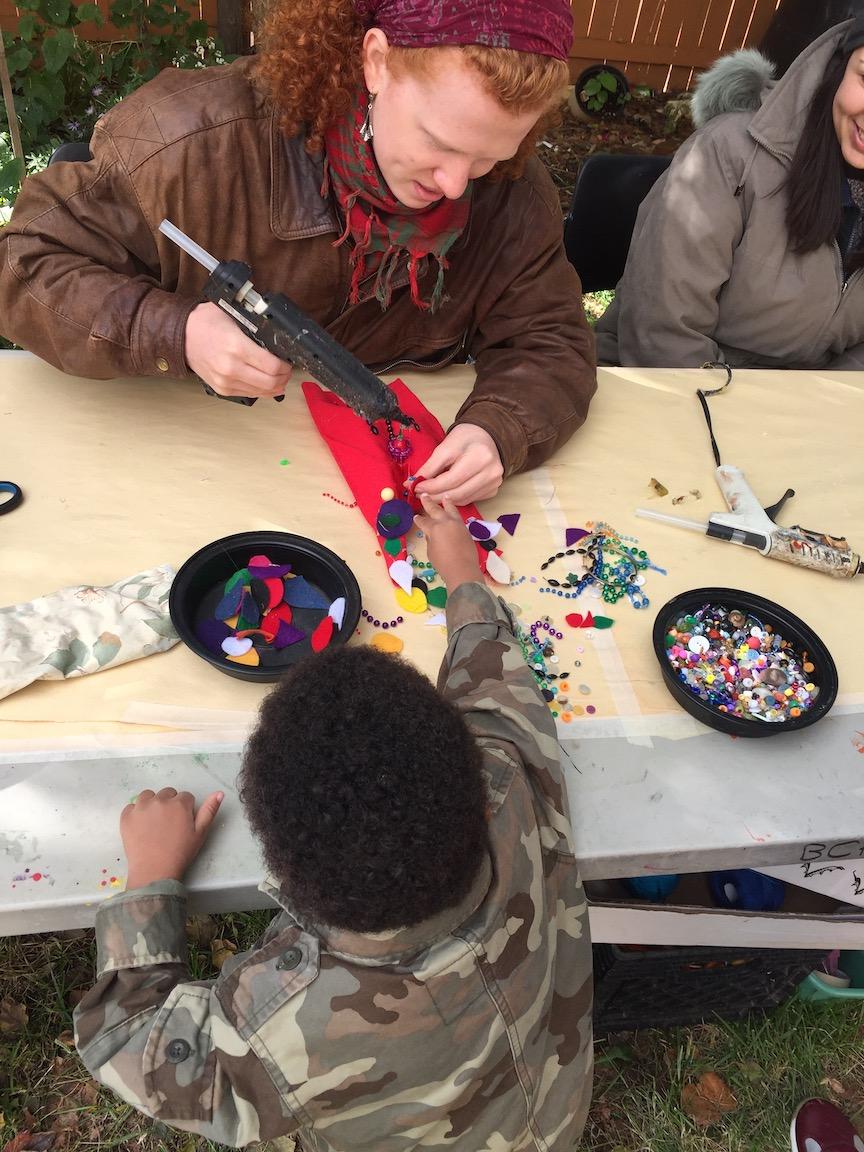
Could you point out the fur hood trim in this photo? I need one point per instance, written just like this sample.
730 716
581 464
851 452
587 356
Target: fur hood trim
735 83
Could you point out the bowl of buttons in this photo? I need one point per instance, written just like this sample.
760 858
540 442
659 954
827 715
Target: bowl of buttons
255 603
742 664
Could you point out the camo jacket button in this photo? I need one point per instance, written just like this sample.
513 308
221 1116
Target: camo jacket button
290 959
177 1051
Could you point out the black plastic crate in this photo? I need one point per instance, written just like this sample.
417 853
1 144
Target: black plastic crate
665 987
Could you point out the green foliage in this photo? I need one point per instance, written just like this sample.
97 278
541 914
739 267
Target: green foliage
62 83
602 93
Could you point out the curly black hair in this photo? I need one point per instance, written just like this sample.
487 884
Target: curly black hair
364 787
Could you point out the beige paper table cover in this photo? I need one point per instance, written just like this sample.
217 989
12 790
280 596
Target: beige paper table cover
123 475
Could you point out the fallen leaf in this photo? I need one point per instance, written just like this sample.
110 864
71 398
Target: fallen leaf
27 1141
657 488
707 1100
201 930
66 1039
751 1071
834 1085
87 1092
220 951
13 1017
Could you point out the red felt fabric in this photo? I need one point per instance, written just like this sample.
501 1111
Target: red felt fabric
363 458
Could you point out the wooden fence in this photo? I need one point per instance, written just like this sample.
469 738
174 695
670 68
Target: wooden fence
661 43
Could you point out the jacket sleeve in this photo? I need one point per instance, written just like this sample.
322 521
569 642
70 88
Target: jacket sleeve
666 304
534 350
80 281
171 1047
850 360
484 674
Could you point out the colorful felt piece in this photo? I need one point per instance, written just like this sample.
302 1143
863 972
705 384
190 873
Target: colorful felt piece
573 536
402 574
415 602
498 568
509 521
255 613
299 593
322 635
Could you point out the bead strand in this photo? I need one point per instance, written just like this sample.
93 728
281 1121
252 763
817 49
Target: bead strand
376 623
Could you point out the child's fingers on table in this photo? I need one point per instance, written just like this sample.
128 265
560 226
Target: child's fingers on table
206 813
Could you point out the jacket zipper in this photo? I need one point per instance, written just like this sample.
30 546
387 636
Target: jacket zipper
448 358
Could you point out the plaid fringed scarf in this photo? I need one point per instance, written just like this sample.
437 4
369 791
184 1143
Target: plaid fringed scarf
383 229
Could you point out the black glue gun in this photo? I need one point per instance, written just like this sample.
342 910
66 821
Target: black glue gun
277 324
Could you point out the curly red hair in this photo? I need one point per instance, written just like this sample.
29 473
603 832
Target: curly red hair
310 65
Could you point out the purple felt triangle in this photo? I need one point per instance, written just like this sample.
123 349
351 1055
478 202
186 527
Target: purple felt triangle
288 634
299 593
269 572
573 536
211 633
509 521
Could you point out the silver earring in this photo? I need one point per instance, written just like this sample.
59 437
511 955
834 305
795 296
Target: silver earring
366 132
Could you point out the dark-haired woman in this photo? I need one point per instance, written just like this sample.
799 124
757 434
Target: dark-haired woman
750 248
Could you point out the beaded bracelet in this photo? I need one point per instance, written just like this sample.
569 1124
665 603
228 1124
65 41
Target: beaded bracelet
616 578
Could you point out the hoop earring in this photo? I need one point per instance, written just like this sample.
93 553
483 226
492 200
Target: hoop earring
366 132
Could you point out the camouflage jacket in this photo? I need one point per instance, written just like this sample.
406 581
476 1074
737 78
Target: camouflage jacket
471 1031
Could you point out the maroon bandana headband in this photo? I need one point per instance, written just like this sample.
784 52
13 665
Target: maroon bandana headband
542 26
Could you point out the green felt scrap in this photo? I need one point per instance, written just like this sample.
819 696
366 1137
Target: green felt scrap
393 546
437 597
240 577
603 622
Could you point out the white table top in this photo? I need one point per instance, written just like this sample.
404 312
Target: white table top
120 476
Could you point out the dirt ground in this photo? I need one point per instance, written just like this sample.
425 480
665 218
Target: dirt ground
648 123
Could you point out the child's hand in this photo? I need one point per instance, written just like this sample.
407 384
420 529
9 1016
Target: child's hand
450 547
162 833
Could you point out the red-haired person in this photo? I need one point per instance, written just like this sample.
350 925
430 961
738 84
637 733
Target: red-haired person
375 162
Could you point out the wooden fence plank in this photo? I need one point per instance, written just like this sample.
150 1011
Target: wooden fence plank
662 43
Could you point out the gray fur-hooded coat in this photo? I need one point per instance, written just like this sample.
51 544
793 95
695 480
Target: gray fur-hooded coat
710 274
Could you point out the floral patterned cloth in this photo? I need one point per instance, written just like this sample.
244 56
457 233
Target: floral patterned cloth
80 630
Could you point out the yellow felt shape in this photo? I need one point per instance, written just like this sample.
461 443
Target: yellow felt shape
251 658
387 642
416 602
232 623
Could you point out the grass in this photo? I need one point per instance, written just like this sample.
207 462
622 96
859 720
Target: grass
769 1063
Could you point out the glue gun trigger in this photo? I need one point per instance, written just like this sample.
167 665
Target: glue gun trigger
774 510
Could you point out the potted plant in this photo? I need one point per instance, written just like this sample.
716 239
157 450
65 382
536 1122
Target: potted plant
601 90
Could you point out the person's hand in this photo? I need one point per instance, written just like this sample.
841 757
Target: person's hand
465 465
449 545
227 360
162 833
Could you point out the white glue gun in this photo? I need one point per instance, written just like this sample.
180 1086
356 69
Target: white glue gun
751 525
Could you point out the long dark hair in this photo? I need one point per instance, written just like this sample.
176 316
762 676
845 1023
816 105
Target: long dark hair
815 212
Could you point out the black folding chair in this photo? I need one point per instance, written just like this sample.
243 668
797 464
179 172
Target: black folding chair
599 225
74 150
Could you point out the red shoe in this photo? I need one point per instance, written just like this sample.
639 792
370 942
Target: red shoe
820 1126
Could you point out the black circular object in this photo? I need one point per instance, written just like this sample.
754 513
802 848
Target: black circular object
789 626
199 585
14 499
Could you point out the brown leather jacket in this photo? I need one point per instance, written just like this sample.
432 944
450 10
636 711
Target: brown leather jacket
88 283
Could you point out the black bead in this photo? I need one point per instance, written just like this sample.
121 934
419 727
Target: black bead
553 583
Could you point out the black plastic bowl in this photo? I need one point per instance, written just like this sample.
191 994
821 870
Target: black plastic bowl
790 627
198 587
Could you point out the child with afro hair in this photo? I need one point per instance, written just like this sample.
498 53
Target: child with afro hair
428 982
